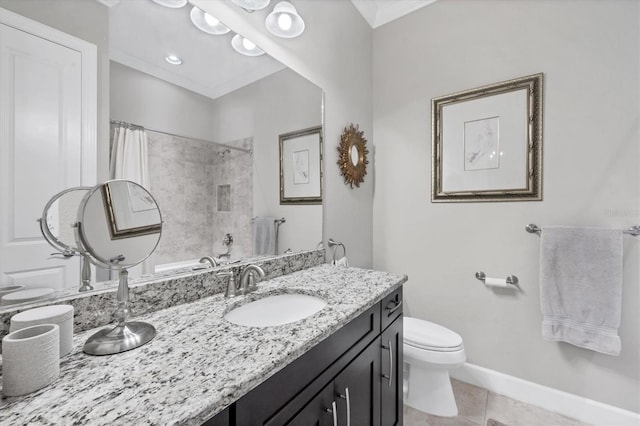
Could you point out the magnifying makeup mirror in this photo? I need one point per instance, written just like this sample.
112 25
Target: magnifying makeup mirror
119 225
57 225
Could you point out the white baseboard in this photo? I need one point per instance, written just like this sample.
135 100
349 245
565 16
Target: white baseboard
577 407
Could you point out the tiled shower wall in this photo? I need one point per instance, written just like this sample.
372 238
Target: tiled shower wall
185 175
234 171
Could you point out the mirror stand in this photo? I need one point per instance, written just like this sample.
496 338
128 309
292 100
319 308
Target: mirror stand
125 335
86 274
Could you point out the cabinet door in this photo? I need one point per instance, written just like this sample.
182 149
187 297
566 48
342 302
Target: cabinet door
320 411
357 389
391 366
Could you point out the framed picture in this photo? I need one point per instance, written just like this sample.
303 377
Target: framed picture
131 211
487 143
301 166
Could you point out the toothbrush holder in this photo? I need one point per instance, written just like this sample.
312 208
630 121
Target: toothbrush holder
30 359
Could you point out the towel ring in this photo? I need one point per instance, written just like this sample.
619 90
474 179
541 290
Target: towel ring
334 245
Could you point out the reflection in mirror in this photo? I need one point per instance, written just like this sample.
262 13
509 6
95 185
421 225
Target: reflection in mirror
214 160
119 224
58 224
355 155
215 172
59 218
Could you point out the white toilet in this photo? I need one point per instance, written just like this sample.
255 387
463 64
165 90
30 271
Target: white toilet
430 351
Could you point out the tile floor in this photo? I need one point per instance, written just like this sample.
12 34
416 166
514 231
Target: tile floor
476 406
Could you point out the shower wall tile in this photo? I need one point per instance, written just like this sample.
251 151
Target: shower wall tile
182 185
234 169
185 175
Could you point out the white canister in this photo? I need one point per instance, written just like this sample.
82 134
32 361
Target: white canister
26 296
30 359
62 315
10 289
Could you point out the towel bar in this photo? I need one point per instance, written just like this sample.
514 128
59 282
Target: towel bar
511 279
535 229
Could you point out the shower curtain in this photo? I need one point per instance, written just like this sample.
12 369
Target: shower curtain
129 160
129 156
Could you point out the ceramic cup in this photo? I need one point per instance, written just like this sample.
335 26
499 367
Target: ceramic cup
30 359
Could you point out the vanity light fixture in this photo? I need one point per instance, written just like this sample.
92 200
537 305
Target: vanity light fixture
207 23
173 59
174 4
284 21
251 5
245 46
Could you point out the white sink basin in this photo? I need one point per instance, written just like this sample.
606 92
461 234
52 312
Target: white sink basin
276 310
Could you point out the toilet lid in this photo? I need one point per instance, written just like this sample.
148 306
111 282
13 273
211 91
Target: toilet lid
427 335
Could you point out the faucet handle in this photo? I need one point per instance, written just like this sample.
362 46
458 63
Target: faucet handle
231 283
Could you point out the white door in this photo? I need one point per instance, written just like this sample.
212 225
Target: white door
42 139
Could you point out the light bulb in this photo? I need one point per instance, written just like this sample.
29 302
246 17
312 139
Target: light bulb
248 44
285 21
210 20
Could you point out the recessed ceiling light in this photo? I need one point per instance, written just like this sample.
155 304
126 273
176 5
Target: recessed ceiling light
207 23
173 59
245 46
174 4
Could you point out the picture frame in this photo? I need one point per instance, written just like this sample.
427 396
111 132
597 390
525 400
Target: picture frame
487 143
131 211
301 166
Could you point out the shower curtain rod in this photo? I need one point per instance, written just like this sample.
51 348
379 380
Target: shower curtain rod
137 126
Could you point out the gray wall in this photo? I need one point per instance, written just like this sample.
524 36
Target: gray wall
588 51
145 100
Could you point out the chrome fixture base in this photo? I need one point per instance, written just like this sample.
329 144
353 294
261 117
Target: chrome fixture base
125 335
121 338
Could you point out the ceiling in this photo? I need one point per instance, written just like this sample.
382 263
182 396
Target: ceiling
142 33
380 12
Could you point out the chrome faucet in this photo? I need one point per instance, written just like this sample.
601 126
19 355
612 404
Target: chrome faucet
209 259
248 278
226 255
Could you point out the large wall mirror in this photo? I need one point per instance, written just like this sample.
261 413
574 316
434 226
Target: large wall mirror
211 124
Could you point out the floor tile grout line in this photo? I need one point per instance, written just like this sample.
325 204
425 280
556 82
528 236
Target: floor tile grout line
486 405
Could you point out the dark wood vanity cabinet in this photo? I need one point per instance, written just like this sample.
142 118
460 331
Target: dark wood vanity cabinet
391 366
353 377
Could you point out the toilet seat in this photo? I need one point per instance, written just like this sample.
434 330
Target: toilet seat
428 336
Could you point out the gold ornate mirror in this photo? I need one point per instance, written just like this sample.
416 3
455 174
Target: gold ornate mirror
353 156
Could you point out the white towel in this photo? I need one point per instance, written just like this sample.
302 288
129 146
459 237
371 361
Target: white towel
264 236
581 286
342 262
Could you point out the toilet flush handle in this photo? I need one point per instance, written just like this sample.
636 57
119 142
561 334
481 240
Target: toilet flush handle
390 376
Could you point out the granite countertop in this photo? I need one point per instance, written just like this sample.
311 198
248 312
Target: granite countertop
198 363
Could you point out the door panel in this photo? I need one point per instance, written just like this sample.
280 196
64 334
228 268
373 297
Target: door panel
40 152
391 367
315 413
357 389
